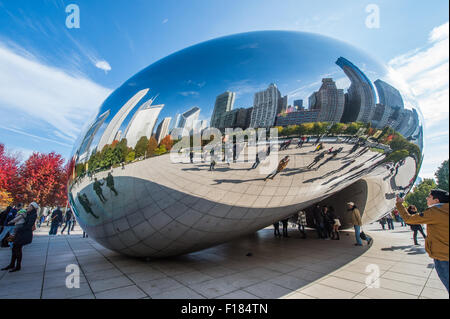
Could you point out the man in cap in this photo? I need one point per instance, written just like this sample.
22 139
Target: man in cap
436 218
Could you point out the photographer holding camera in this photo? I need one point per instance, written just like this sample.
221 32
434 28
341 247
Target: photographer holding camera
436 218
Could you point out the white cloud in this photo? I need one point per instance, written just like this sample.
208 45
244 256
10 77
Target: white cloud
47 94
426 71
165 21
103 65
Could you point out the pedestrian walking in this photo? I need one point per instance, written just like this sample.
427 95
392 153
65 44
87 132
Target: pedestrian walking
301 222
68 221
281 166
436 219
256 163
357 223
328 222
412 210
22 237
56 219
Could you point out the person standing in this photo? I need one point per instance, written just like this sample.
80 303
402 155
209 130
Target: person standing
412 210
357 223
110 183
98 190
436 219
301 222
390 221
68 220
318 220
285 227
22 237
56 219
6 227
382 222
276 229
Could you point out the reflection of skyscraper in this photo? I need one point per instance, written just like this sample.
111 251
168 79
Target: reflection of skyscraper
83 151
163 129
189 118
361 94
266 106
142 123
224 103
298 104
329 101
381 115
114 125
388 94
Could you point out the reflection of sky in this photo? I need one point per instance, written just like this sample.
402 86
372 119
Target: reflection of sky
244 63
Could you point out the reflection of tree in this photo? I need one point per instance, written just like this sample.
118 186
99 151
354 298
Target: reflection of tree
418 197
118 152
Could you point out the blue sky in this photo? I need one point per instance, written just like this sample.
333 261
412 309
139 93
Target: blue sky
53 79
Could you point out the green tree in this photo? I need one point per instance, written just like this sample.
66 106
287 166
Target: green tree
160 150
418 197
141 146
130 157
442 176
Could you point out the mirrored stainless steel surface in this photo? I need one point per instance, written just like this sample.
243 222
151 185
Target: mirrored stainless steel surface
228 136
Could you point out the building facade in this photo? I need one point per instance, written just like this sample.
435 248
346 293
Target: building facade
298 117
163 129
224 103
360 103
266 105
329 101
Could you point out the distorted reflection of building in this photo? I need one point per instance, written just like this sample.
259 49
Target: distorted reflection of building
142 123
267 104
298 104
360 101
298 117
224 103
329 101
163 129
110 133
89 137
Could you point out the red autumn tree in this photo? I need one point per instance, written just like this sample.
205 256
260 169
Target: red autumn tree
167 142
43 179
9 169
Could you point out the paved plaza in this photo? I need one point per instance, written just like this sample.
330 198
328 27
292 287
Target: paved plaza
255 266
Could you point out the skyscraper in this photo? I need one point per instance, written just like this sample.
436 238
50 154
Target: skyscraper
388 94
116 122
163 129
360 104
224 103
142 123
266 106
329 101
87 140
188 120
298 104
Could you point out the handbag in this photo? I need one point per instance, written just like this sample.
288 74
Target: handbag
363 235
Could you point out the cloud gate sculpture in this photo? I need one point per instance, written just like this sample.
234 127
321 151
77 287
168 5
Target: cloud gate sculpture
228 136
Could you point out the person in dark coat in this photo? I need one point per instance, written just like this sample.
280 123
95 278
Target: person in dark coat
318 220
416 228
3 215
22 237
57 219
276 229
285 227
